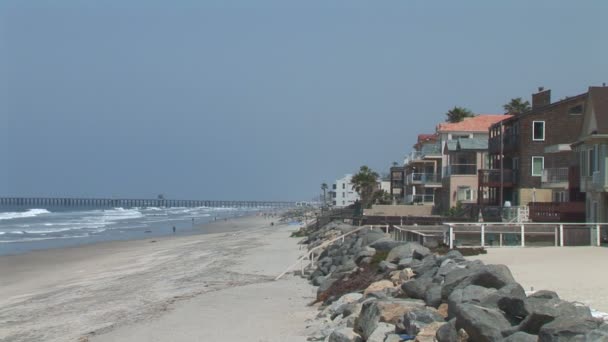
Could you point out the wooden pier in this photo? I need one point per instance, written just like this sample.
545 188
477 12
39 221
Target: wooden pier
44 202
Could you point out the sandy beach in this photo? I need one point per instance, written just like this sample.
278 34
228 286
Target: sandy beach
573 272
207 287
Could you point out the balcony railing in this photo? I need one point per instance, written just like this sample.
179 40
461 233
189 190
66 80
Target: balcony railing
492 177
423 199
557 211
461 169
555 175
423 178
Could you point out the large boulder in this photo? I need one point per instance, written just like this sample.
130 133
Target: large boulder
447 332
365 252
600 334
416 319
416 288
481 324
372 236
567 328
379 334
542 311
425 267
489 276
344 335
433 296
338 306
384 310
521 336
408 250
378 286
385 244
428 332
471 294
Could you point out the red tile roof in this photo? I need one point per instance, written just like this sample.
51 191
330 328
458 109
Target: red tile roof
479 123
427 137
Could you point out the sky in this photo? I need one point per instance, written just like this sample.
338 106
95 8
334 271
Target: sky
245 100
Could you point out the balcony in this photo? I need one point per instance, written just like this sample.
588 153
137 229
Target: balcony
420 199
557 211
424 179
461 169
555 177
492 178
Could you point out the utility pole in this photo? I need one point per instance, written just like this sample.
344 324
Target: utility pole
502 171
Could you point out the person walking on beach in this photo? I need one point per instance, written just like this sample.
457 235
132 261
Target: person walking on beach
173 229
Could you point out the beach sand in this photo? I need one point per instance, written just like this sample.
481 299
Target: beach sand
575 273
207 287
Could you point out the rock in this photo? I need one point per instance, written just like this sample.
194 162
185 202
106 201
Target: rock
600 334
446 267
416 319
405 262
408 250
462 336
339 305
372 236
387 310
386 266
480 323
392 338
378 286
443 310
351 309
425 267
399 277
454 255
325 285
488 276
447 332
567 328
471 294
542 311
379 334
544 294
433 296
521 336
416 288
317 281
344 335
385 244
428 332
364 253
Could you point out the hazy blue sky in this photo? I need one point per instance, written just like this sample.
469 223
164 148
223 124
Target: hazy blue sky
262 99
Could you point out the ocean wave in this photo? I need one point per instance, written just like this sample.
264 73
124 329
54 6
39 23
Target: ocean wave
23 214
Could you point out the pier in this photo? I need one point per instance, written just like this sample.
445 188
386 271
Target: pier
44 202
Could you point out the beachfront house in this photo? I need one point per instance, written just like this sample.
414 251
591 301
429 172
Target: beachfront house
591 150
475 129
422 171
343 193
464 157
530 159
397 183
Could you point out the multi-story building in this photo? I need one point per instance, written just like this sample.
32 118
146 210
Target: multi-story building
397 185
343 193
530 158
422 171
464 157
592 153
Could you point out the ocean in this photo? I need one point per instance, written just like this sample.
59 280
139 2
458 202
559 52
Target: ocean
27 229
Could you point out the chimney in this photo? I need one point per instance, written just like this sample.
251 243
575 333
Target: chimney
542 98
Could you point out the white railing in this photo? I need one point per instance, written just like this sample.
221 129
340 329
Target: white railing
524 234
413 235
309 258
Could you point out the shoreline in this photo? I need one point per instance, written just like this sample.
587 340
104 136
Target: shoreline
92 290
209 227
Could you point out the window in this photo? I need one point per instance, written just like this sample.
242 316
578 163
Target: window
343 194
560 196
333 186
576 110
538 164
538 130
464 193
343 185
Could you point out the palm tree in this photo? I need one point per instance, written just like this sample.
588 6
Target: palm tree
458 114
364 182
517 106
324 188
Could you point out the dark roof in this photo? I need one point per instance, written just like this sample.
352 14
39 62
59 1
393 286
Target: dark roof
599 100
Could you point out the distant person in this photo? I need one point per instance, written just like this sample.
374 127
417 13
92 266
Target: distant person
173 229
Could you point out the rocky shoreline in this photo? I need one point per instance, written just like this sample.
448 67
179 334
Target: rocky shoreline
373 288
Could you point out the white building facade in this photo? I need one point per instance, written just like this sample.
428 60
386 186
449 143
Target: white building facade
343 193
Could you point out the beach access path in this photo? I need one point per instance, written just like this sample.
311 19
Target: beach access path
575 273
206 287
